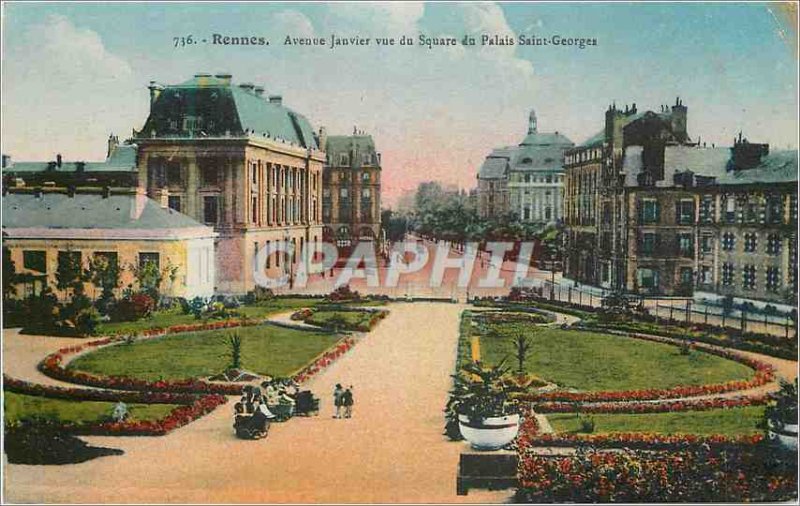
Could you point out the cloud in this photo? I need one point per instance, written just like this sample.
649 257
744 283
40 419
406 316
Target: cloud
63 90
377 19
292 23
57 49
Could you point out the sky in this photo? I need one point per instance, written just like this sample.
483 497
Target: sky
75 72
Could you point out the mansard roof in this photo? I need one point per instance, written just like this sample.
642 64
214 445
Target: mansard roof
224 109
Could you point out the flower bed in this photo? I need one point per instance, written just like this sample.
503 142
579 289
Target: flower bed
700 332
53 365
176 418
365 320
650 407
324 360
764 374
530 436
192 407
83 394
702 475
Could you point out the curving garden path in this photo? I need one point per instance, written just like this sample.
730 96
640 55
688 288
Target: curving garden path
391 451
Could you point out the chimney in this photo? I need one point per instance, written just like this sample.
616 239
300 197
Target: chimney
275 99
164 199
323 138
155 91
113 142
259 90
224 77
745 155
247 87
678 120
58 160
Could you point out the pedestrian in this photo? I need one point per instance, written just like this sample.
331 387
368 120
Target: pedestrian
338 392
347 402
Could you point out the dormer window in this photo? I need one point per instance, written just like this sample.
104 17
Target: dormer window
191 123
344 159
366 159
526 161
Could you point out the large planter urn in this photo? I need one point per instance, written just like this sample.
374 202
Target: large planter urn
491 433
784 434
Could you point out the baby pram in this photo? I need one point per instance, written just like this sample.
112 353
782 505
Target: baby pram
254 426
283 411
306 404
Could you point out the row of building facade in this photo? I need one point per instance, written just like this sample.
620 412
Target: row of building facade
647 210
238 164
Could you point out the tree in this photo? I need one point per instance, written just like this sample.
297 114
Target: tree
9 276
522 345
150 277
69 272
103 272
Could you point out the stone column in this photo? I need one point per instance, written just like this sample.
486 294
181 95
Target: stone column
192 187
228 195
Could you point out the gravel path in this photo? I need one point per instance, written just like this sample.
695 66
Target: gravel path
391 451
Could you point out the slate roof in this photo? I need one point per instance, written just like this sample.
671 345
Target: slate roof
537 152
130 213
336 144
225 109
122 159
546 139
777 167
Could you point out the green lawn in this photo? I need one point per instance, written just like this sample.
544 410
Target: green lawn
266 349
594 361
730 422
18 406
256 311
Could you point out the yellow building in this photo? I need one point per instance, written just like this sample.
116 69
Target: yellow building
43 226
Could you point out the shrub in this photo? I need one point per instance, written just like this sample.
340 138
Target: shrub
587 425
40 440
134 307
259 295
197 307
343 293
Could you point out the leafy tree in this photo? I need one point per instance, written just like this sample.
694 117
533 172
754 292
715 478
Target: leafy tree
9 275
70 274
104 272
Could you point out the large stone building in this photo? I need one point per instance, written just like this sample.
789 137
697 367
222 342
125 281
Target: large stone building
351 189
595 205
649 212
233 158
42 226
526 179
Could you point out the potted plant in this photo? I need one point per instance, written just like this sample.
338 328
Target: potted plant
487 417
781 416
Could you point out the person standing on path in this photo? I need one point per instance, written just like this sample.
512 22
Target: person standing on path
347 402
338 393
